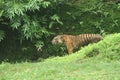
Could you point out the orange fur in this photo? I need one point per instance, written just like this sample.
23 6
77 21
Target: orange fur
73 42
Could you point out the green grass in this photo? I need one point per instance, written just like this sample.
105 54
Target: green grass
93 62
88 70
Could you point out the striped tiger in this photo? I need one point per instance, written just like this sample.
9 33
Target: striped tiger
73 42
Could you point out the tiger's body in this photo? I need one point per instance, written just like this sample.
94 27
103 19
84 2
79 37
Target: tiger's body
73 42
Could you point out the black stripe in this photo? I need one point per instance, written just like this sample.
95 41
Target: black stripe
88 35
85 38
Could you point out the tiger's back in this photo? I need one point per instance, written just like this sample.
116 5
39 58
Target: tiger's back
85 39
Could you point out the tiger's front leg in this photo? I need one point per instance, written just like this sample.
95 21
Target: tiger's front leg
70 49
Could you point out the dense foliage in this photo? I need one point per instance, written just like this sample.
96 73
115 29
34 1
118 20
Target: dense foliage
26 24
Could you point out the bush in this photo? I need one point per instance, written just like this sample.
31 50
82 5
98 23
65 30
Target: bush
108 48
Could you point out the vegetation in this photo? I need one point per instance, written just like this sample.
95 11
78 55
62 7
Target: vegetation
28 26
103 66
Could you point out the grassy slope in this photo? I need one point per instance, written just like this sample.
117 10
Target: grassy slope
104 66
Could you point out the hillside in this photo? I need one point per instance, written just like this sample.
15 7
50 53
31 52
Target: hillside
94 62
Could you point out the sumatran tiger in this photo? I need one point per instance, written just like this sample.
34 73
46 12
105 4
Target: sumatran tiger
73 42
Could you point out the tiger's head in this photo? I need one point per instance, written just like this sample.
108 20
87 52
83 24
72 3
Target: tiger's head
58 39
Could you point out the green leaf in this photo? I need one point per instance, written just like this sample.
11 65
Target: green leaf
45 4
39 45
55 17
1 13
51 24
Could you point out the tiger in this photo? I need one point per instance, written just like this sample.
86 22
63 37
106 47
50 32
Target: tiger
74 41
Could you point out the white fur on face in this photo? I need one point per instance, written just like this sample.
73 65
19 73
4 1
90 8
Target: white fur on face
57 40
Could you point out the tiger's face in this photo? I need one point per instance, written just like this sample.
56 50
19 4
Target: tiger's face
57 40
